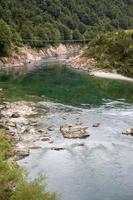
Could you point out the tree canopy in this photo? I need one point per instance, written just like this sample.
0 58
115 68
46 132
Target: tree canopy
64 19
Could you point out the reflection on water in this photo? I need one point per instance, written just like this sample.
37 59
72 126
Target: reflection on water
54 81
97 168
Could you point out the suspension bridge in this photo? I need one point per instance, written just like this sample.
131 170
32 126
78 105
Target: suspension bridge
43 43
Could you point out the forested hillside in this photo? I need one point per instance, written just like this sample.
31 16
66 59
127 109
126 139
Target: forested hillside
113 51
60 20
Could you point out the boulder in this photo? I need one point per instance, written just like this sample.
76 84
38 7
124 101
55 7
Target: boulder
128 132
45 139
15 115
22 153
40 131
74 132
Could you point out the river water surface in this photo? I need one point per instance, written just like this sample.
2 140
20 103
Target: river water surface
96 168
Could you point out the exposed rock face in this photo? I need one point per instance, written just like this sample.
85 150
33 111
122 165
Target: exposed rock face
128 132
81 63
25 55
74 132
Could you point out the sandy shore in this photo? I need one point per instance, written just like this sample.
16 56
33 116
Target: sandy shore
110 75
88 65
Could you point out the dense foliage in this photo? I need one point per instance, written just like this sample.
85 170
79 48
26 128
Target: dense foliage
13 185
56 20
113 51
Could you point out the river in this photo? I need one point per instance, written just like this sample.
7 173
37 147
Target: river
97 168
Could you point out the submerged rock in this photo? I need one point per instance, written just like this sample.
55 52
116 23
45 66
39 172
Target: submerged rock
35 147
77 145
128 132
81 144
96 125
74 132
57 148
51 142
51 128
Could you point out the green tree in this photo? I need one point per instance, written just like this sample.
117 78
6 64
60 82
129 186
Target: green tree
42 35
55 35
82 28
5 38
66 33
27 30
77 36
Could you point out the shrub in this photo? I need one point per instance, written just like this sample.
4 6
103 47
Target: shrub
13 181
34 190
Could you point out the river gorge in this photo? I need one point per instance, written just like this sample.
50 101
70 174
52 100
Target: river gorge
97 167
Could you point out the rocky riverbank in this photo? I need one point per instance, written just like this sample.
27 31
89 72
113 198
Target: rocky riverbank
89 65
81 63
19 120
71 54
25 55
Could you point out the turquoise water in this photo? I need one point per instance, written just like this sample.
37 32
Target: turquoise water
55 81
96 168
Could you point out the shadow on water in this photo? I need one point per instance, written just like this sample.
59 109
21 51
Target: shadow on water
53 80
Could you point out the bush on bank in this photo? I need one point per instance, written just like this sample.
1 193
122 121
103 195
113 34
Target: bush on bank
13 182
113 50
